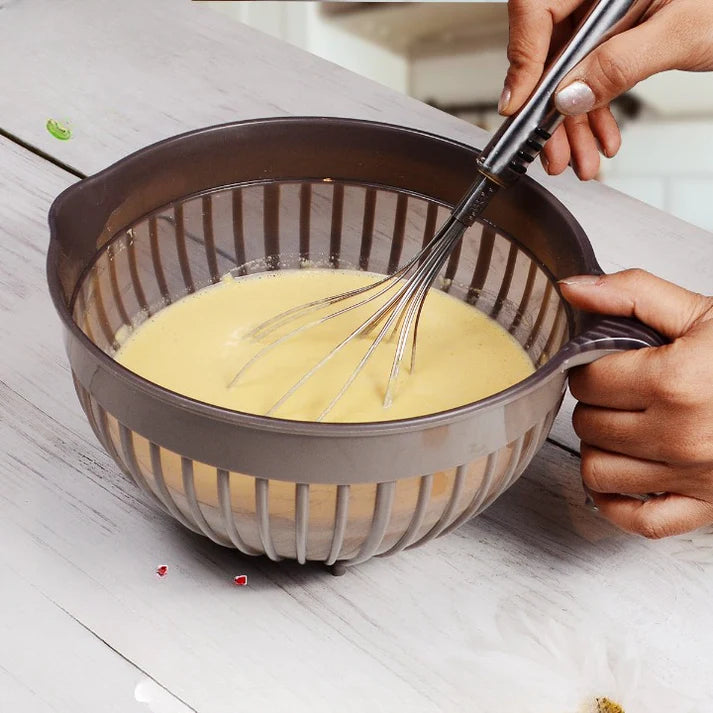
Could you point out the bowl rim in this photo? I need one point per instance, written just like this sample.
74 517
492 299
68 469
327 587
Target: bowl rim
536 380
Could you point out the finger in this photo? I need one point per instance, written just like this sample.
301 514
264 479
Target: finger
666 307
607 472
556 154
616 66
585 152
666 435
622 432
661 516
531 23
621 381
605 130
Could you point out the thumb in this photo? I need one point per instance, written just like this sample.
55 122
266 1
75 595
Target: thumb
616 66
666 307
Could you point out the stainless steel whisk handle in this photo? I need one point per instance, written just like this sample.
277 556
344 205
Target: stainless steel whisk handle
521 138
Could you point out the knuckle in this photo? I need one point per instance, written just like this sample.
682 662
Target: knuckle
520 11
651 529
593 473
637 273
706 308
577 122
613 71
675 382
652 523
519 53
667 388
699 309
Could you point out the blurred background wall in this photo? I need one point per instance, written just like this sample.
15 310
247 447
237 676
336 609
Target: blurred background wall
452 55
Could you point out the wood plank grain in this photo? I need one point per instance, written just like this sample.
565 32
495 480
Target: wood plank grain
48 660
441 628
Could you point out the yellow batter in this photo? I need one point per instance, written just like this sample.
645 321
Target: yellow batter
197 345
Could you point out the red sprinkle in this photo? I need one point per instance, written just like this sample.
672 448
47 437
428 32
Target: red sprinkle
162 570
240 580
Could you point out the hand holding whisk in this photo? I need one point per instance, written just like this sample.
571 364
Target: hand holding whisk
505 159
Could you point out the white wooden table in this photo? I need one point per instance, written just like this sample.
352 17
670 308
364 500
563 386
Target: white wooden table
536 606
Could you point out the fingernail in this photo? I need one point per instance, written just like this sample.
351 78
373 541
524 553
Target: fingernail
588 499
545 162
581 280
604 150
504 100
590 504
577 98
601 148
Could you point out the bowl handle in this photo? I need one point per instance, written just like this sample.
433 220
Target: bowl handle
606 335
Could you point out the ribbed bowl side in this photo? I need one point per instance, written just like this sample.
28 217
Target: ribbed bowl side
252 228
255 228
312 522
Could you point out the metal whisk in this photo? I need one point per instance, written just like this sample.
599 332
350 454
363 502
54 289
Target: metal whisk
505 158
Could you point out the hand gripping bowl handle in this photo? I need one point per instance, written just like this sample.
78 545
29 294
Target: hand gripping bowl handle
605 335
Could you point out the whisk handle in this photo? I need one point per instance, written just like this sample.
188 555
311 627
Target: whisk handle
521 138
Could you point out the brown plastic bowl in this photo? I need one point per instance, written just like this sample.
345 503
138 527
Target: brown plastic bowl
266 194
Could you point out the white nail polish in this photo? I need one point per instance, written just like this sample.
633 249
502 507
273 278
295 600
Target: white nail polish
580 280
577 98
504 100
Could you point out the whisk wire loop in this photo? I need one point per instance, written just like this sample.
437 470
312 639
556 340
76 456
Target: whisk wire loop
396 319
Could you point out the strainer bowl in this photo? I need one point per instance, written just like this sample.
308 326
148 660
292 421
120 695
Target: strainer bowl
332 193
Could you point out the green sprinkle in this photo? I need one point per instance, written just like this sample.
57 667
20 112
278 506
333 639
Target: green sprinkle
59 131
